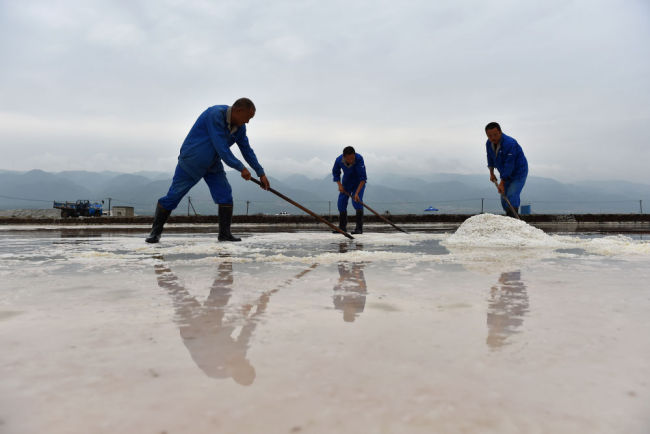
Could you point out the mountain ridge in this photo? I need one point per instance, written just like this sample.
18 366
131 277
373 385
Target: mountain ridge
451 193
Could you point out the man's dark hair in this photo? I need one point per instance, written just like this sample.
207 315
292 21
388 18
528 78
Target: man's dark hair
244 103
492 125
348 150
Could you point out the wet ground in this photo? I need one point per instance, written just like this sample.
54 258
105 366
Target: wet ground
309 332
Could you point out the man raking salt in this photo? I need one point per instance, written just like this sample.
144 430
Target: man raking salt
205 147
505 154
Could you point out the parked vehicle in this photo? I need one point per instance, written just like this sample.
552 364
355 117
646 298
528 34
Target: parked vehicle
80 208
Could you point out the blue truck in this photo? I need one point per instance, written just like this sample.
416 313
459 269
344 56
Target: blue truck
80 208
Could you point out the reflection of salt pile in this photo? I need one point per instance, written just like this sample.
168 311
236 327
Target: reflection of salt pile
489 230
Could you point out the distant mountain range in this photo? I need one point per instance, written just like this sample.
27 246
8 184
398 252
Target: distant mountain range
398 194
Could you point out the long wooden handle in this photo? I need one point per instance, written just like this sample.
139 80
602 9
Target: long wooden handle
311 213
514 211
377 214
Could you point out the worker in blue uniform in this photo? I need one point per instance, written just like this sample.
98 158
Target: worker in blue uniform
354 183
205 147
505 154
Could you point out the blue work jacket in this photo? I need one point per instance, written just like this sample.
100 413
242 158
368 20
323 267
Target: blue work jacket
510 160
353 174
209 142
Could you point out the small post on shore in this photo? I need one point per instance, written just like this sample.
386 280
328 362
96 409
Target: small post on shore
482 205
641 206
247 203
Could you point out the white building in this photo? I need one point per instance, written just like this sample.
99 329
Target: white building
122 211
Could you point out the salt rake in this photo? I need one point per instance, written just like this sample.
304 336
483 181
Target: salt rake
311 213
503 196
377 214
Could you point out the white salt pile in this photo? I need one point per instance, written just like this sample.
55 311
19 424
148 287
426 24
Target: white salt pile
489 230
49 213
616 245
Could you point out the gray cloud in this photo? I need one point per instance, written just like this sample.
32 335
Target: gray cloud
118 84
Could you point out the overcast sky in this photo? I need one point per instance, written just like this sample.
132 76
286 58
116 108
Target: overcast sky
111 85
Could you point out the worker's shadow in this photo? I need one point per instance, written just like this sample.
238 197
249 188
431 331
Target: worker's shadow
350 290
207 329
507 307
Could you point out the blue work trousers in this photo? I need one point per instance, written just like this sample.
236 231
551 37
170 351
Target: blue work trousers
513 191
182 183
343 198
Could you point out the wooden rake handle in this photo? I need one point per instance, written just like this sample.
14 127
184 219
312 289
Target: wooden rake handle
308 211
377 214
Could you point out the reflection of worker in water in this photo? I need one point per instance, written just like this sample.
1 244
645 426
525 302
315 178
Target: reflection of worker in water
507 306
205 330
350 291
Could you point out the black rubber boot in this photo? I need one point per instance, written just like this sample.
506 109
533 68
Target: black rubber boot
343 222
159 219
359 227
225 220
